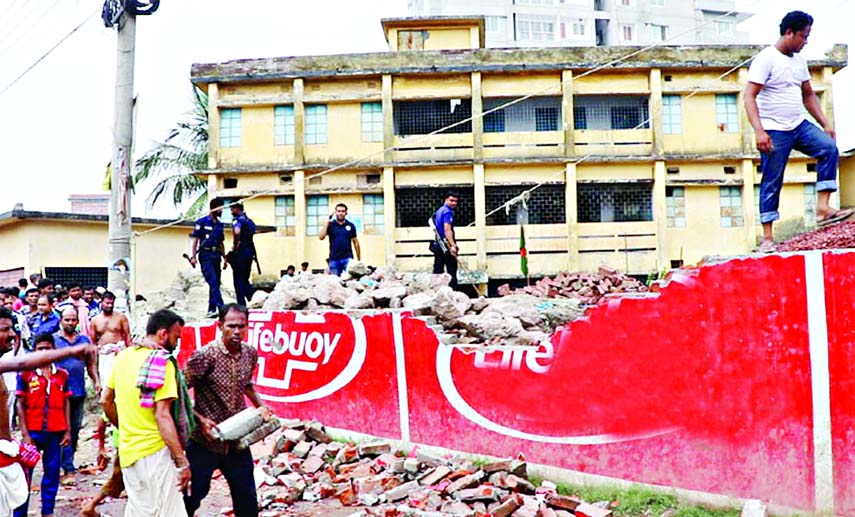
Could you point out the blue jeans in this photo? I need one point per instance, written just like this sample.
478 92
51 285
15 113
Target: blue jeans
76 423
237 467
210 264
48 445
339 266
812 141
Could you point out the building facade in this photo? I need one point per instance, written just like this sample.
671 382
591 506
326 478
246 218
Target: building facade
588 23
641 166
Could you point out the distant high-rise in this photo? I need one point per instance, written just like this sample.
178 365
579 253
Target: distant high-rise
562 23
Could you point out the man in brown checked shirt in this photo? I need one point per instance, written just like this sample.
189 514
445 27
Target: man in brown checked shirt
221 377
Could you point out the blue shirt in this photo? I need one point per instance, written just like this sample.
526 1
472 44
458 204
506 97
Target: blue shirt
41 324
340 236
247 230
210 234
442 216
75 366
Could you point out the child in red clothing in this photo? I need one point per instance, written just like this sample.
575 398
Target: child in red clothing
44 412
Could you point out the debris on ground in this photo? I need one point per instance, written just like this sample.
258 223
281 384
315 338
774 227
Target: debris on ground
588 288
840 235
510 320
307 464
187 295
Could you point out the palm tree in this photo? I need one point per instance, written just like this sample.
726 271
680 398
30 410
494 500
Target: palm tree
175 161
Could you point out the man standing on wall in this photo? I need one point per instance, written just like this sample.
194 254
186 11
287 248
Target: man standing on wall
221 377
778 89
444 247
342 234
242 253
208 236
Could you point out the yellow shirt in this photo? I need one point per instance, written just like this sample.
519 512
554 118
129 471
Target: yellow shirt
138 433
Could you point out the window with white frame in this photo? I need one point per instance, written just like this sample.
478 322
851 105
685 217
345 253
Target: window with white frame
731 206
226 217
230 127
658 32
285 214
810 204
317 213
372 122
626 3
283 125
726 112
725 28
675 206
373 214
316 124
533 2
535 28
657 3
494 23
672 115
627 32
579 27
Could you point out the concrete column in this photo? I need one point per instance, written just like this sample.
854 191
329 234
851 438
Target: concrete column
213 186
299 123
390 219
827 97
660 215
748 204
213 126
656 112
477 118
747 132
388 120
567 111
572 217
474 38
480 216
300 214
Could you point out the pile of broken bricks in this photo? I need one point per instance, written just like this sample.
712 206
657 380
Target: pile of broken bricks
588 288
520 320
309 465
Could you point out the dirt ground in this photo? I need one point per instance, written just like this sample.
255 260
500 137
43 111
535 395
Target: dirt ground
89 482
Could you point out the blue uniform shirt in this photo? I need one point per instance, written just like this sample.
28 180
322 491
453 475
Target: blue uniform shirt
75 366
340 236
442 216
41 324
247 230
210 234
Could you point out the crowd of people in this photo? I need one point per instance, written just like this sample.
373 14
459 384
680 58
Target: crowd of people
53 337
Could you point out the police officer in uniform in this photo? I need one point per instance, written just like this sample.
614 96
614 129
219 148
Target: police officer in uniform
242 253
208 236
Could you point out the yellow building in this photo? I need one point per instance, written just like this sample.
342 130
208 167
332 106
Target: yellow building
640 165
73 247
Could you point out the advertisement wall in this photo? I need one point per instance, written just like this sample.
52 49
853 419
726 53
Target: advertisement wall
735 379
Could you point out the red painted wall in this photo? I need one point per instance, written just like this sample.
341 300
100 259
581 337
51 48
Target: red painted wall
705 387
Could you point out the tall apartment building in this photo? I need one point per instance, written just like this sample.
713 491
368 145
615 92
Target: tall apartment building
588 23
640 166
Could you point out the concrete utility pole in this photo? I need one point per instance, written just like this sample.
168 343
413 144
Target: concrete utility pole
119 273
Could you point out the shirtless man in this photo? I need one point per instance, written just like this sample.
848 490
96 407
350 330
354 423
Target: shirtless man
13 484
111 331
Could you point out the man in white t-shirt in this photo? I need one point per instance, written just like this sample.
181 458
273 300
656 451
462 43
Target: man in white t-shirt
777 92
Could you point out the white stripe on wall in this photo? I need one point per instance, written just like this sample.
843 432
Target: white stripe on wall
403 401
820 383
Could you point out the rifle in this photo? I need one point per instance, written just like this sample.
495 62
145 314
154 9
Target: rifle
440 241
255 258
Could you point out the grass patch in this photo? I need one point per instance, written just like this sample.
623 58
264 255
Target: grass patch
637 501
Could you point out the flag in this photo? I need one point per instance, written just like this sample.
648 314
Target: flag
523 253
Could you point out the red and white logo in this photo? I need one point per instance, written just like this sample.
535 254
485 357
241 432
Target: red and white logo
305 357
498 381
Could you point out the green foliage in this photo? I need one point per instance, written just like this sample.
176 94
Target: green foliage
637 501
174 162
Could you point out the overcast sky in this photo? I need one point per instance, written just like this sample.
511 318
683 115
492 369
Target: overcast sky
56 129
